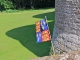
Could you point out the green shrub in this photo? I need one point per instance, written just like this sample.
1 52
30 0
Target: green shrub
7 4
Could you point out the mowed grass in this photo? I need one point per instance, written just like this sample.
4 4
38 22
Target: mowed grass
18 37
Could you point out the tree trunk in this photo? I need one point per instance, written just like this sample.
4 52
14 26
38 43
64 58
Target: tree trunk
66 34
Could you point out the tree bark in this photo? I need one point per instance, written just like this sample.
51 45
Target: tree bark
66 33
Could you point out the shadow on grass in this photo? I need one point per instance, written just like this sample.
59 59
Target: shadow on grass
26 35
50 15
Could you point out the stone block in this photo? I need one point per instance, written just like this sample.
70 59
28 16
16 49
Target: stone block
74 48
68 44
68 49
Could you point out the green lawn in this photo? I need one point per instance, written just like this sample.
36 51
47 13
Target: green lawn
17 34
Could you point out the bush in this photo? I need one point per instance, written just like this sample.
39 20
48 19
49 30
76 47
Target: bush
6 4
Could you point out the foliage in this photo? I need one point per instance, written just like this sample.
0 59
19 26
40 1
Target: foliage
11 11
25 4
6 4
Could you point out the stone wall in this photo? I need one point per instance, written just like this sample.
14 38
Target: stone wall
68 56
66 34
